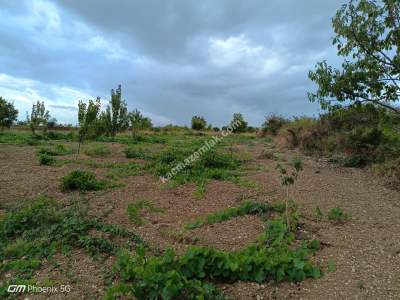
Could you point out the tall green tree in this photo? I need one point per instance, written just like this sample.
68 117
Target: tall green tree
238 124
136 122
368 38
87 116
198 123
116 114
39 116
8 114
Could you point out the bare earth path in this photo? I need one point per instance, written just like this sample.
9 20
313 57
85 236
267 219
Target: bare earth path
364 250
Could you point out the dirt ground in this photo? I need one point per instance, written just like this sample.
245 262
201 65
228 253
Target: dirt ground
365 250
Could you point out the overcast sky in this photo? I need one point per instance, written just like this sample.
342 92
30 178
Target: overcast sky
174 58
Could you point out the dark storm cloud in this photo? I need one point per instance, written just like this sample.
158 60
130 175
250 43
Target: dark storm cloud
173 58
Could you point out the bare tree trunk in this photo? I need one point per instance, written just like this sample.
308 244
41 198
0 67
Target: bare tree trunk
287 208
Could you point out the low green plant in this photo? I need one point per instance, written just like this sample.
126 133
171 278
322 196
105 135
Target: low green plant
318 213
288 178
189 276
331 266
30 234
56 150
82 181
47 160
133 211
247 208
132 152
98 151
337 214
117 171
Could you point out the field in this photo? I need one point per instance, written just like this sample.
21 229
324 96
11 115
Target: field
57 231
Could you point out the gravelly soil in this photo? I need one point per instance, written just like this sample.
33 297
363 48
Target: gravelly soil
365 249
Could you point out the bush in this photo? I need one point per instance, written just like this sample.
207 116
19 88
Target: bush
56 150
186 277
55 135
82 181
198 123
136 153
272 124
98 151
47 160
337 214
32 233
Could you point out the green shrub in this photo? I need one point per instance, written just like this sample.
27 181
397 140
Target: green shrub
198 123
56 150
47 160
137 153
213 164
272 124
186 277
133 211
117 171
247 208
337 214
55 135
32 233
98 151
82 181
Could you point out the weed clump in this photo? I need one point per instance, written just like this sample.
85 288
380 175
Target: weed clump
189 276
247 208
197 168
133 211
98 151
338 215
81 181
34 233
46 160
137 153
57 150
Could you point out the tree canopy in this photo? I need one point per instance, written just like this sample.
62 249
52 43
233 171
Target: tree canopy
8 114
368 38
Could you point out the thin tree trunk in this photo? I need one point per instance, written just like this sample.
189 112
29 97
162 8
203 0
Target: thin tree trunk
287 208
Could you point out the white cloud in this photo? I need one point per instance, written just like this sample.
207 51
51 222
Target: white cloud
24 92
238 52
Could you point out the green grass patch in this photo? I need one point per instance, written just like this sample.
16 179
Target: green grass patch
337 214
133 152
247 208
97 151
192 275
134 209
56 150
82 181
118 171
47 160
32 233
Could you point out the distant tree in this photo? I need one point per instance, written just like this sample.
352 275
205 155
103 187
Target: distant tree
198 123
52 123
116 114
146 123
368 37
39 116
87 116
8 114
238 123
216 129
138 123
273 123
